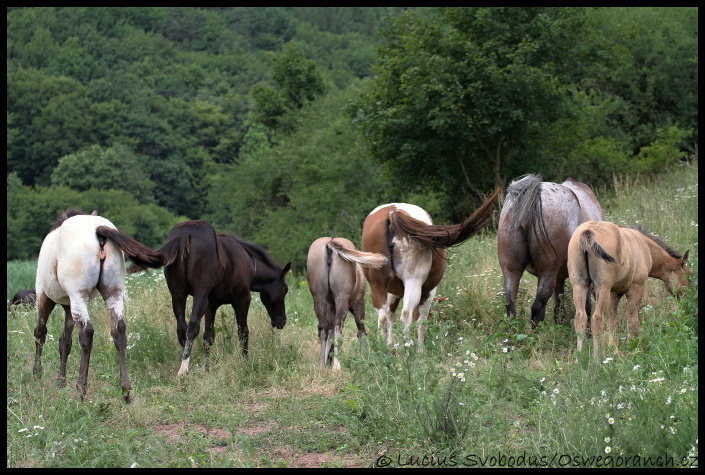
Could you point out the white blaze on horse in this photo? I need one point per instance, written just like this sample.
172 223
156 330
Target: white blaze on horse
416 251
337 285
616 261
81 257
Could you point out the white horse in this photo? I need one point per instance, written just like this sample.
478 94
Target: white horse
80 257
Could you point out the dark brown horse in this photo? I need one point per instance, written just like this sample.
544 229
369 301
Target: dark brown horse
218 270
82 256
535 225
337 285
417 258
616 261
23 297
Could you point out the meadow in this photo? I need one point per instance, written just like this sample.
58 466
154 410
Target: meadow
485 391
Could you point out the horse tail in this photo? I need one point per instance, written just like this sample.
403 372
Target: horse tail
142 257
439 235
588 244
525 193
175 247
365 259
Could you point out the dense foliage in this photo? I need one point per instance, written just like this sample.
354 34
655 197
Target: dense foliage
283 124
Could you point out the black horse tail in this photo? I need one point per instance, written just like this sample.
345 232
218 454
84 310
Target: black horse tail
142 257
525 193
588 244
175 247
432 236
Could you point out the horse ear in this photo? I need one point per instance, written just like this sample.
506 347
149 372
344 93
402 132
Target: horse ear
286 269
684 259
95 212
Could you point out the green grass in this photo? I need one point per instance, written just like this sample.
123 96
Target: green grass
486 390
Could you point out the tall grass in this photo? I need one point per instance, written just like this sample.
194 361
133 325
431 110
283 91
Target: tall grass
485 390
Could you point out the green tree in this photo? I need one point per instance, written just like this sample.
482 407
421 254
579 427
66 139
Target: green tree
459 98
112 168
654 77
299 83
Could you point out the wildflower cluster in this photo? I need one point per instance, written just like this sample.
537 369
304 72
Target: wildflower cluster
460 370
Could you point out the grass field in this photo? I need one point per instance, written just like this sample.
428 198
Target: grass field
486 390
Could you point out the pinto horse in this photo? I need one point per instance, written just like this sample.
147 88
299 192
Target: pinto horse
616 261
416 255
535 225
82 256
217 269
337 285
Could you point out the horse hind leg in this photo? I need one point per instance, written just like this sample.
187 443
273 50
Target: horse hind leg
242 308
115 301
79 312
200 301
511 290
546 286
423 310
65 343
358 311
44 307
341 311
209 332
559 310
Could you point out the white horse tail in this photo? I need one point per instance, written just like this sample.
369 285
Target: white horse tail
365 259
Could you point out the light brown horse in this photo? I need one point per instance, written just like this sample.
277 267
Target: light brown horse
417 258
337 285
617 260
535 225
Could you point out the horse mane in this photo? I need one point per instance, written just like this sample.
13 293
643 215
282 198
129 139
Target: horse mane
63 216
671 252
256 251
433 236
529 209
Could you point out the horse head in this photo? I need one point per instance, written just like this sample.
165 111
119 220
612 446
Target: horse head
683 272
273 294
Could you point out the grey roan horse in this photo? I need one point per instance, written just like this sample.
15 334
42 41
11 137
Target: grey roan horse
535 225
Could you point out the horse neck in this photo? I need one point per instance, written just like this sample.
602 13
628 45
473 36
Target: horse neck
263 273
662 263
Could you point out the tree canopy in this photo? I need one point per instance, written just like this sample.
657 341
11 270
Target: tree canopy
284 124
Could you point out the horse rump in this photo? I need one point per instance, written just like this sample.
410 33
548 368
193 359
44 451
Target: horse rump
439 235
590 245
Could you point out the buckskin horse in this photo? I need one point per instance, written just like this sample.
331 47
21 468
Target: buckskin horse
616 261
82 256
416 252
217 269
337 285
535 225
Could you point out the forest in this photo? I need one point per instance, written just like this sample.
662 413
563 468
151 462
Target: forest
284 124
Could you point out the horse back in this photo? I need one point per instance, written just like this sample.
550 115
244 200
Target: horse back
590 209
192 259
